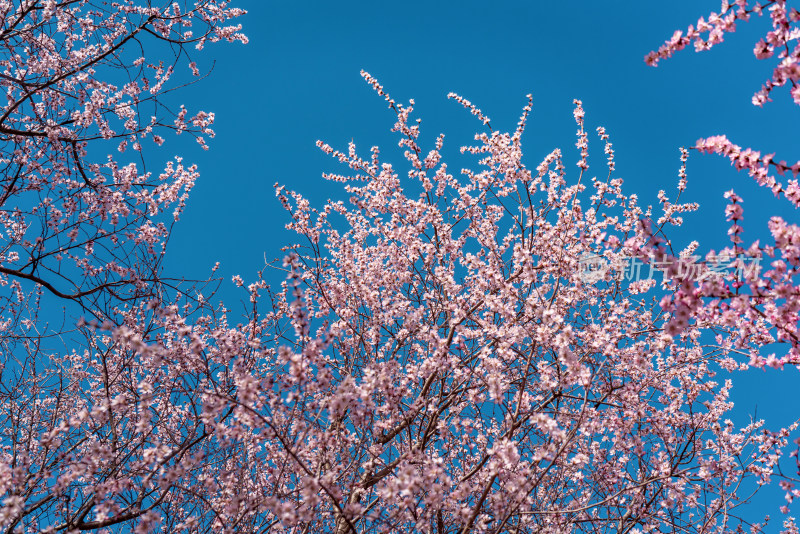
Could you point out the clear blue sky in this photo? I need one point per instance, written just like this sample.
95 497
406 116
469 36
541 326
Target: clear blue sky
298 81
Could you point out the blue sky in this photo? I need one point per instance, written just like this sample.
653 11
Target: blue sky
298 81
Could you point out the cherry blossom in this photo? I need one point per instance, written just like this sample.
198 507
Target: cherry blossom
84 225
435 362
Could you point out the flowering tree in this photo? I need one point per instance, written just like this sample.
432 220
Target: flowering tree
476 380
85 229
774 298
440 361
768 304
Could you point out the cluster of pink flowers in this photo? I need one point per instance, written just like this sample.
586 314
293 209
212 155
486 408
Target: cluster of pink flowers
85 233
774 299
756 165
